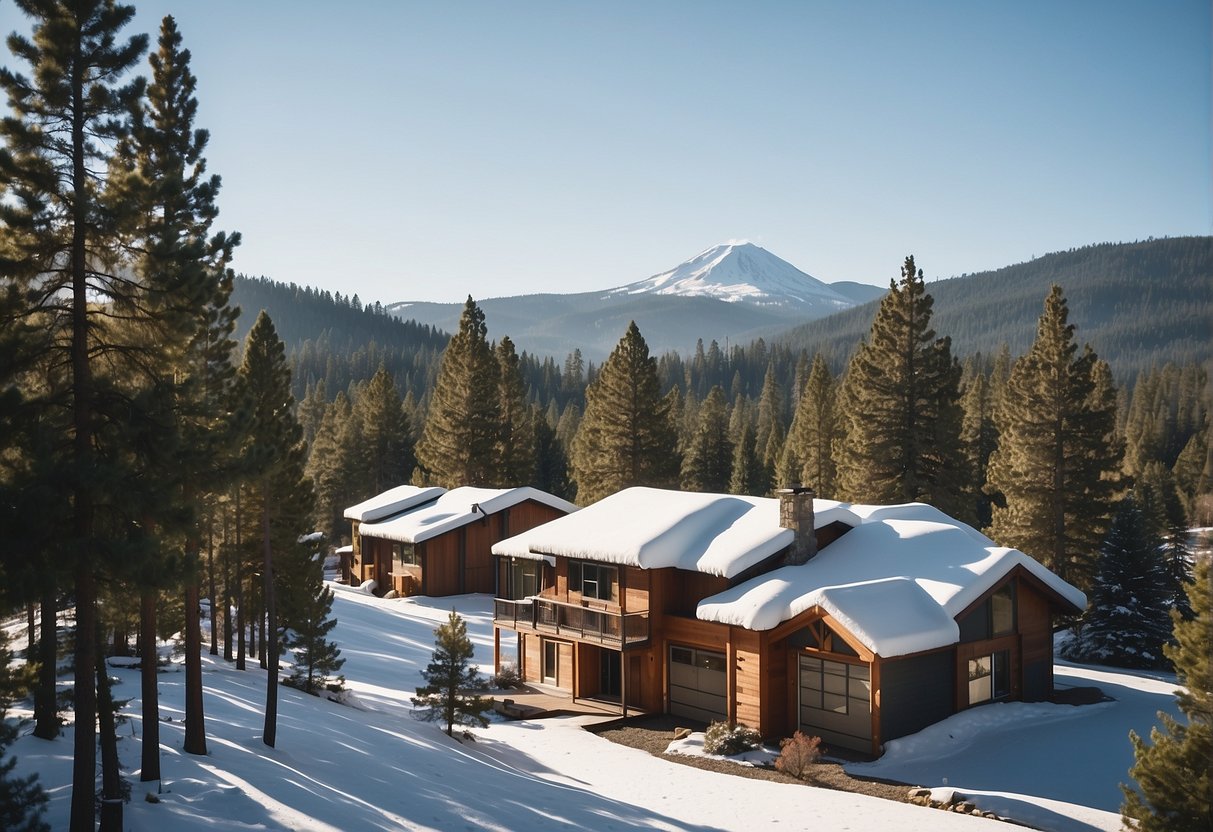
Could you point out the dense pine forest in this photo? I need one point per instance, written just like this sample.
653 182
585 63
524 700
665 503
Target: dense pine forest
177 436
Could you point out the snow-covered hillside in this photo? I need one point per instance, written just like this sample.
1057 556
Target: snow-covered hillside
371 765
741 272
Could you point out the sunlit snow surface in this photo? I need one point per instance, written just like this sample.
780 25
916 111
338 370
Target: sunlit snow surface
371 765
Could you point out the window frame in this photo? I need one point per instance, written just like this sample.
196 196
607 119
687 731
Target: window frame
602 576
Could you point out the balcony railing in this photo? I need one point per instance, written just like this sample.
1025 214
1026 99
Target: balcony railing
572 620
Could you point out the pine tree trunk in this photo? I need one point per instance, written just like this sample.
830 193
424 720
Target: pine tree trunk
240 646
226 558
195 723
84 759
111 776
262 641
31 631
148 667
210 568
46 711
271 647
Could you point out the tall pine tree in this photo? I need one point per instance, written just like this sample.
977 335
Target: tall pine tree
901 406
282 496
66 115
708 464
462 427
384 456
625 437
1054 473
814 432
515 447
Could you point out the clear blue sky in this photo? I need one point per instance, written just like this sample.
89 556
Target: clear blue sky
425 151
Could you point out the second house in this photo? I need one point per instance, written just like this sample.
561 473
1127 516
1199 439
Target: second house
429 541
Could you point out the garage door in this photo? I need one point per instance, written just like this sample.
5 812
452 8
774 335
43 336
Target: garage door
698 684
836 702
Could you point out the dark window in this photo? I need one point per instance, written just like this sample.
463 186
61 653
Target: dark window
523 579
1002 611
993 618
403 554
592 580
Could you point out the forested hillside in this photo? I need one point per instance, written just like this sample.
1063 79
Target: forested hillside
335 339
1138 304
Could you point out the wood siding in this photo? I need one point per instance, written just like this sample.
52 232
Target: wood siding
1036 633
455 562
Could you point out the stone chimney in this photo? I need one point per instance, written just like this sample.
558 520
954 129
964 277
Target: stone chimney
796 513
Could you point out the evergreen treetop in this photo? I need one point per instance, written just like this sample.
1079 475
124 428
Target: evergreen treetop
901 410
462 427
1055 471
625 437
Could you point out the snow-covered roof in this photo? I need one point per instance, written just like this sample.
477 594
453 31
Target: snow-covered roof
456 508
719 534
896 581
393 501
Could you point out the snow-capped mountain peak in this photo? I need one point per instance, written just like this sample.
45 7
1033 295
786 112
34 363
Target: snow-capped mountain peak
741 272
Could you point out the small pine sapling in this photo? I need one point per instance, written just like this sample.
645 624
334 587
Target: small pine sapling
449 694
727 739
317 659
798 754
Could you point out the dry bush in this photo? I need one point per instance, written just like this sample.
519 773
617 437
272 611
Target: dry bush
798 754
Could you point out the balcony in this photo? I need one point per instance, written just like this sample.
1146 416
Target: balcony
543 615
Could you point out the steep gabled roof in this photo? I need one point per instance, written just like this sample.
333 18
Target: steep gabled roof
896 581
393 501
456 508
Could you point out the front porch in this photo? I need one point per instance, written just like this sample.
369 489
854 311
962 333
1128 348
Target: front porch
541 702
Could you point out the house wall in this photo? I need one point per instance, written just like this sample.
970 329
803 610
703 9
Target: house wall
915 692
1036 633
460 560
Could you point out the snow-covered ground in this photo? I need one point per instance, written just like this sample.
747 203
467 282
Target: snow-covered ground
371 765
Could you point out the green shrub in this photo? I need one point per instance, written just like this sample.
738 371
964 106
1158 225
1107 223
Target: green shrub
798 754
728 739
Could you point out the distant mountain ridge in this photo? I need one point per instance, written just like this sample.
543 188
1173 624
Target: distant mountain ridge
735 292
1138 304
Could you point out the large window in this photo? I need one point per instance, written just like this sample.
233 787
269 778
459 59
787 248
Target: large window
593 580
993 618
403 554
989 677
524 579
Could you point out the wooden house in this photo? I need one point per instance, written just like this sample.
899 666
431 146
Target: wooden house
855 623
436 542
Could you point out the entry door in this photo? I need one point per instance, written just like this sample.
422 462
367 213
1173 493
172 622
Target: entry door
608 679
551 659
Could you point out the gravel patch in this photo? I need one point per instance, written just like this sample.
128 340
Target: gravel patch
654 734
